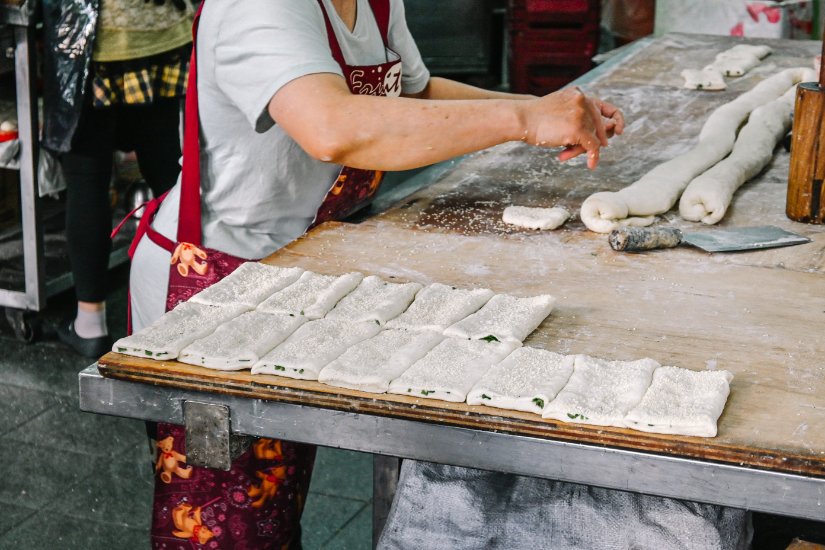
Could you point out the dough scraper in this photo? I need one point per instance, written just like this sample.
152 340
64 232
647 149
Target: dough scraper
632 239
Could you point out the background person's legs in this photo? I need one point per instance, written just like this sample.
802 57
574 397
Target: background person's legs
153 131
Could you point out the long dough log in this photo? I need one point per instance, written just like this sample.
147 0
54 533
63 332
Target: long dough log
658 190
708 196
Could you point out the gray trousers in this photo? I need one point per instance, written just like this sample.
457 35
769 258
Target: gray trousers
447 507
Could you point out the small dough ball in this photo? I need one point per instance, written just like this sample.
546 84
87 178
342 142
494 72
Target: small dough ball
535 218
704 79
8 126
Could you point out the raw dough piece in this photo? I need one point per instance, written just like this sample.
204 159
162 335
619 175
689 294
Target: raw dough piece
312 347
240 342
375 300
249 285
704 79
535 218
708 196
451 369
438 306
313 295
504 318
527 380
601 392
739 59
682 402
176 329
372 364
658 190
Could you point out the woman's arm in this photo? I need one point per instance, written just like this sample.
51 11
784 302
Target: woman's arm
442 88
383 133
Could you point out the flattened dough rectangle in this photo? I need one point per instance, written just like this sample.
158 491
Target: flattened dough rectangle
375 300
372 364
505 318
313 295
240 342
682 402
526 380
312 347
176 329
451 369
601 392
438 306
248 285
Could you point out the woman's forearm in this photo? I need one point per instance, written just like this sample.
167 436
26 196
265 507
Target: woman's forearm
443 88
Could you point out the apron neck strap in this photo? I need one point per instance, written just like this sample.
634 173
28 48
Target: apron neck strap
189 215
381 12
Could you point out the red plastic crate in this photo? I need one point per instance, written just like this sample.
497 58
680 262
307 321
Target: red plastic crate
554 12
541 74
533 42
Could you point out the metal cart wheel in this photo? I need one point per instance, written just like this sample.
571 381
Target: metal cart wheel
25 324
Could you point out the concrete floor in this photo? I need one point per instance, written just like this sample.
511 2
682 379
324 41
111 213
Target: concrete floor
73 480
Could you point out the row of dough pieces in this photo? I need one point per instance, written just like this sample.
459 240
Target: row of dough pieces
376 343
734 62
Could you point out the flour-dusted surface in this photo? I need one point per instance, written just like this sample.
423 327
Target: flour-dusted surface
240 342
249 285
535 218
438 306
505 318
451 369
372 364
312 347
601 392
313 295
526 380
176 329
375 300
682 402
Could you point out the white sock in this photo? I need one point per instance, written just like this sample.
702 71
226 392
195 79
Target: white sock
91 324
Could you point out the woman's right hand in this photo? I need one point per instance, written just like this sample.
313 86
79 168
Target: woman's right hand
571 119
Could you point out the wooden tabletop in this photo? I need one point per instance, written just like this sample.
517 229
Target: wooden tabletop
757 314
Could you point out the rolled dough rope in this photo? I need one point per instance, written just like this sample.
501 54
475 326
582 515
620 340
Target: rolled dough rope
682 402
535 218
708 196
704 79
658 190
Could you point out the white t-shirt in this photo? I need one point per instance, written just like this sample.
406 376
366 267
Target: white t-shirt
260 190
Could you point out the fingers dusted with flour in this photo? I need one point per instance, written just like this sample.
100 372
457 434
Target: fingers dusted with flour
571 119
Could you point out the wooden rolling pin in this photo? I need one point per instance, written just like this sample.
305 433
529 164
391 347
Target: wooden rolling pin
806 199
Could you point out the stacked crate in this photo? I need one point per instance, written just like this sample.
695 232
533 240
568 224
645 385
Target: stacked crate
551 42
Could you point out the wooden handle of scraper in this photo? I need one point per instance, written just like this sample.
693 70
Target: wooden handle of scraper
633 239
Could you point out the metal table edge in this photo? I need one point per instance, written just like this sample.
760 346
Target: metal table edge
628 470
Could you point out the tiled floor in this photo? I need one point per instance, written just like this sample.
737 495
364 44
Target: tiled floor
73 480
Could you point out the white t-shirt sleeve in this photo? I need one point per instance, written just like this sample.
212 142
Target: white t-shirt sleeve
414 75
263 45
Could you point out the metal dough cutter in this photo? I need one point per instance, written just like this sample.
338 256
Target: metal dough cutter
736 239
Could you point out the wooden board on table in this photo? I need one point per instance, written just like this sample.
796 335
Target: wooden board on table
758 314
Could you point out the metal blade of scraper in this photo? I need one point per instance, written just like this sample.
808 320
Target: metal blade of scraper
735 239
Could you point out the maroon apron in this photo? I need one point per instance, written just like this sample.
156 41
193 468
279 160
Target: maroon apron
257 504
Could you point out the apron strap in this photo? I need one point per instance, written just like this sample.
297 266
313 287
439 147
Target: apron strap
381 12
189 215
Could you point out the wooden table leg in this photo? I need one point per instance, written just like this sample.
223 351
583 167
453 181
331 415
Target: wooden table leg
384 483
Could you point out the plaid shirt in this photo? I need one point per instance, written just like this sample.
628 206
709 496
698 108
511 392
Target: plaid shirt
140 81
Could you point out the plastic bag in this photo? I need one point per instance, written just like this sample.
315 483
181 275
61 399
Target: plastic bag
68 32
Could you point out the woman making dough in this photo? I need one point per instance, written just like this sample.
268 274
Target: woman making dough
291 95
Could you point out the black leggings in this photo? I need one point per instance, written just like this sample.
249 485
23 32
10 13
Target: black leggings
152 132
